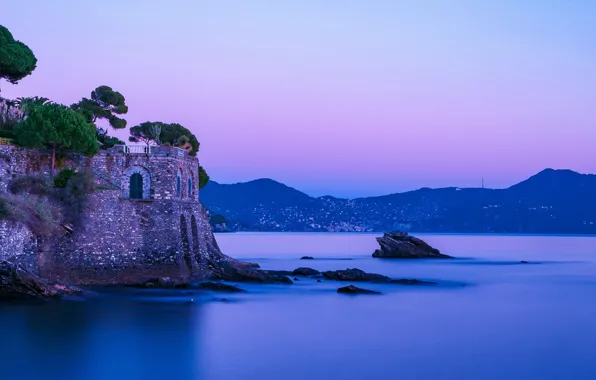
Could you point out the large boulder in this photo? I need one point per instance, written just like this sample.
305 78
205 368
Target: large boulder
16 282
355 274
400 245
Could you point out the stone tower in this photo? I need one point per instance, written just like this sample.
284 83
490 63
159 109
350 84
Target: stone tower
144 220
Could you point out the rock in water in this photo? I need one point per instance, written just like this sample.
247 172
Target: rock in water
351 289
355 274
400 245
407 281
303 271
16 282
307 258
231 271
219 287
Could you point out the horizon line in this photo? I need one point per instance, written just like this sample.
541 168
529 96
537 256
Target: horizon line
403 192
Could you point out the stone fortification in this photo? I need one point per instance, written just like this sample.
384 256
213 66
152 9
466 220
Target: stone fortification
143 220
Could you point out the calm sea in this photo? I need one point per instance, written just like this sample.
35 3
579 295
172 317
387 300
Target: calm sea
492 318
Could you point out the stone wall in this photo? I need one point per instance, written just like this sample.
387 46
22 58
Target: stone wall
15 162
162 165
17 244
122 240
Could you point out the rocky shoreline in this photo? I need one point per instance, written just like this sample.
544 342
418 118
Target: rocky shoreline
17 282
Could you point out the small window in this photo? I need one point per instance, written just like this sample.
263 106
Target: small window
136 186
178 187
189 188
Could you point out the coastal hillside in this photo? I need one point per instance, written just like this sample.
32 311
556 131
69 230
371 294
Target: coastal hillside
552 201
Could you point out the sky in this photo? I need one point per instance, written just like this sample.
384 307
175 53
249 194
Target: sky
341 97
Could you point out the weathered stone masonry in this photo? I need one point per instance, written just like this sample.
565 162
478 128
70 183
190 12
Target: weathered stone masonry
144 219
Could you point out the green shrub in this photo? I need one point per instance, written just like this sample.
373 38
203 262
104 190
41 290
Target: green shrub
9 134
61 180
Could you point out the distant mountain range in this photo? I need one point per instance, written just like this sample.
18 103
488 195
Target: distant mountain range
550 202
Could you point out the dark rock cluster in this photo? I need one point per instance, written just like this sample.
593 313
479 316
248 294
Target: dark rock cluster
400 245
16 282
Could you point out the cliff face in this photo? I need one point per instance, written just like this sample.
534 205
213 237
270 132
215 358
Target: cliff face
121 239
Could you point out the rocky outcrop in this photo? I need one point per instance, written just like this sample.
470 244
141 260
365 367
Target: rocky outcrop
228 269
303 271
16 282
307 258
355 274
351 289
400 245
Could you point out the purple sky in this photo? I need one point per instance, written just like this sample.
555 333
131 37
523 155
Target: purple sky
340 97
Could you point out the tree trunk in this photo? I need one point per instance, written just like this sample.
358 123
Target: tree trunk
53 162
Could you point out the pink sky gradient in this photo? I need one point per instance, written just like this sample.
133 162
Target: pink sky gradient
348 98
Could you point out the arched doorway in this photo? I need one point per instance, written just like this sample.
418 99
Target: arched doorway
136 186
136 183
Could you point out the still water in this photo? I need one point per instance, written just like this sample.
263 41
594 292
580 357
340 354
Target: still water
491 318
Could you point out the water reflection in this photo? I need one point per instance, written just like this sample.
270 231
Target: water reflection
100 341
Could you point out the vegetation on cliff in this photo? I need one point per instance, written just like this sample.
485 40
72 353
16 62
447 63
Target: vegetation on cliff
42 206
203 177
58 128
16 59
159 133
106 104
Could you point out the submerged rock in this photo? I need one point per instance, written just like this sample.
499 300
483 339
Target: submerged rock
355 274
351 289
303 271
307 258
400 245
278 272
219 287
230 271
407 281
16 282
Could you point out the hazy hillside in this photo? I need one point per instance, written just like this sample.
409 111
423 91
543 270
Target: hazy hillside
552 201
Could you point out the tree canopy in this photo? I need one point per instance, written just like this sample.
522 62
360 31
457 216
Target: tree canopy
203 177
58 128
105 103
26 105
147 132
176 135
159 133
16 59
